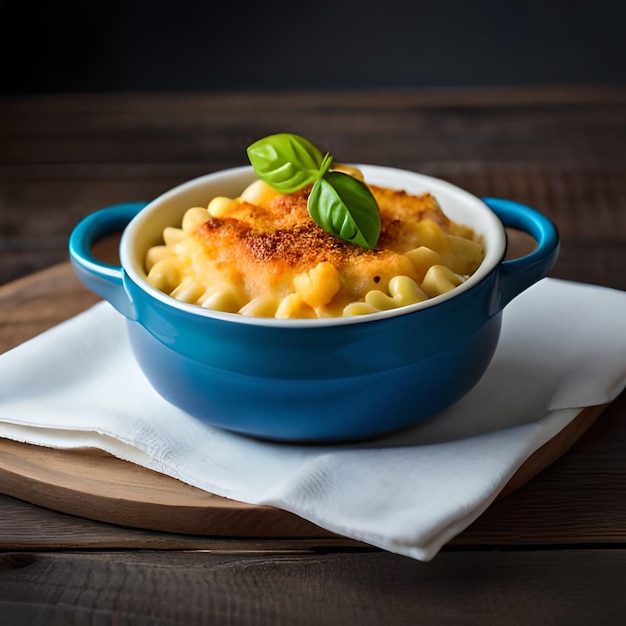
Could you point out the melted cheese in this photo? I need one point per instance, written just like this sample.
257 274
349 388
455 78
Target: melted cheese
262 254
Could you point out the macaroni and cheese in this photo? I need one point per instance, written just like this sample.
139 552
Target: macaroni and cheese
262 255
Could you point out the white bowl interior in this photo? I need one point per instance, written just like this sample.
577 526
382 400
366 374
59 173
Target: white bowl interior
146 230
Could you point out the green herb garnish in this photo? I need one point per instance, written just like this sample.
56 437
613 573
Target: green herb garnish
339 203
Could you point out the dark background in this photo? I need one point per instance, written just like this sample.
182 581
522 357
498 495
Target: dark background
96 46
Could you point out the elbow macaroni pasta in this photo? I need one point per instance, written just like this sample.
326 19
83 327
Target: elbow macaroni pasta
261 255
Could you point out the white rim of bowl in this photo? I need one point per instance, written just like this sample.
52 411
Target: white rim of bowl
491 228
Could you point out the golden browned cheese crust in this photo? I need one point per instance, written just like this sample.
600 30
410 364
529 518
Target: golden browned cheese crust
262 255
265 247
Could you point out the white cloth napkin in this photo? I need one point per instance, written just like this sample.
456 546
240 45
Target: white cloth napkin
562 348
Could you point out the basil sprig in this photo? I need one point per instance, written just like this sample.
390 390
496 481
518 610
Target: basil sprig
339 203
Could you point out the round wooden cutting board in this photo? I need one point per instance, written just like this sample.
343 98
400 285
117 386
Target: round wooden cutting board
92 484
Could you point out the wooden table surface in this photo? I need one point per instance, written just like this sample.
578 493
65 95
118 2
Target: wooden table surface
552 552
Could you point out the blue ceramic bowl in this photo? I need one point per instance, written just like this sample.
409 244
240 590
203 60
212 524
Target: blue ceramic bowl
313 380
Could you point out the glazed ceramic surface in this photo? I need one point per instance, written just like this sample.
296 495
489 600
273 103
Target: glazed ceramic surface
313 380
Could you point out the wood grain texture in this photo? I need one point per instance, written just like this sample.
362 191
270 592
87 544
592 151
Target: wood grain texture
573 587
59 531
96 485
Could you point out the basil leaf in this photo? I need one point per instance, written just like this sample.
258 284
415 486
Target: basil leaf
286 162
345 207
339 203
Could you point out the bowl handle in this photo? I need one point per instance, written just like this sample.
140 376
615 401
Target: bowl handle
516 275
103 278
